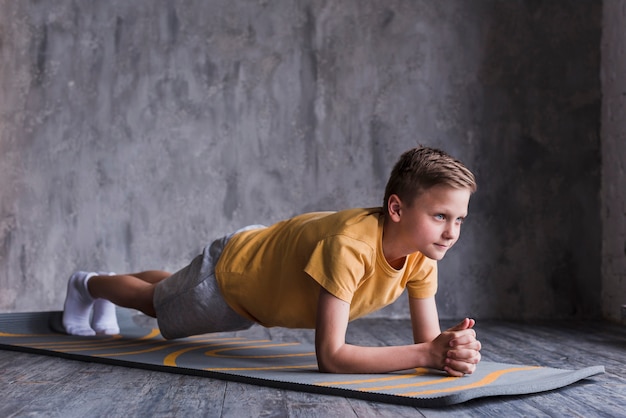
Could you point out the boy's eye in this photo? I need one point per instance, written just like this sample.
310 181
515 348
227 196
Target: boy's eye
460 220
440 217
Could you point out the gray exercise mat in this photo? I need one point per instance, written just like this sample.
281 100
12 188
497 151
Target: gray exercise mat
275 364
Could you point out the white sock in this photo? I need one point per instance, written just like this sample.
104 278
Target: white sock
78 304
104 320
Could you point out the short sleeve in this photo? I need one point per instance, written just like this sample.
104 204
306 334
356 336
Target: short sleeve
421 276
338 263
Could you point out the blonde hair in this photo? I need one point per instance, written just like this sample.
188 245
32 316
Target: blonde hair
421 168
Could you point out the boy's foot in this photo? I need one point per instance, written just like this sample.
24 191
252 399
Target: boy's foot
78 304
104 320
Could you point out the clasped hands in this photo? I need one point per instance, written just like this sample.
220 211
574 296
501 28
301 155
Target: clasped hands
456 350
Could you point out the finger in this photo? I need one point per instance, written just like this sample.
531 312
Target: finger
459 367
452 372
472 346
463 338
464 355
469 322
463 325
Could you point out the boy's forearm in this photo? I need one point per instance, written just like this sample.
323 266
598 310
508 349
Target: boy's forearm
455 350
356 359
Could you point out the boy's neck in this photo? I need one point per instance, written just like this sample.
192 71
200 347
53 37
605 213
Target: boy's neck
393 253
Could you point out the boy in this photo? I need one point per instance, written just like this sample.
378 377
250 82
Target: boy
317 270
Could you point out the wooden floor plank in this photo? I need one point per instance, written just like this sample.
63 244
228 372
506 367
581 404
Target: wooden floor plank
365 409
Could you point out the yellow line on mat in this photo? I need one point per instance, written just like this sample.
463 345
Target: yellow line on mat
163 345
170 359
8 334
490 378
418 372
215 353
408 385
304 366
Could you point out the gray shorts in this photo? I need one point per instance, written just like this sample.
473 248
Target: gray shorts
190 302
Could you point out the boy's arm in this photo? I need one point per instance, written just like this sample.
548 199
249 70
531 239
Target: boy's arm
335 356
424 319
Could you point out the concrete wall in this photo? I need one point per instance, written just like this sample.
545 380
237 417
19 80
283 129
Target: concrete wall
133 132
613 158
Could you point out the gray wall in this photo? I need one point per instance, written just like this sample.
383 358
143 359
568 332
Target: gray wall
613 158
133 132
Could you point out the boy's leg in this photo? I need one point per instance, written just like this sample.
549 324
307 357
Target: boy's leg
134 290
104 319
128 290
152 276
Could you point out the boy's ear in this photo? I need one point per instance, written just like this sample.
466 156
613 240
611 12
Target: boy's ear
394 207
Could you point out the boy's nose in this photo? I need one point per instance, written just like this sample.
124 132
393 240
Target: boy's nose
451 232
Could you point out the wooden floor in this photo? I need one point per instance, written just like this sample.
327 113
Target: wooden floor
32 385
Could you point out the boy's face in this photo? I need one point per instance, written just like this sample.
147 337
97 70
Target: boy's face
432 224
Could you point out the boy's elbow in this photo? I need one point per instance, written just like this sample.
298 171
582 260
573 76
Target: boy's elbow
329 368
327 363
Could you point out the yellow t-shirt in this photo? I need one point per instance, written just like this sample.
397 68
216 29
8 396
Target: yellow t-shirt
272 275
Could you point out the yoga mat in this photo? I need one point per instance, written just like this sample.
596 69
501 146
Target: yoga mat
286 365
